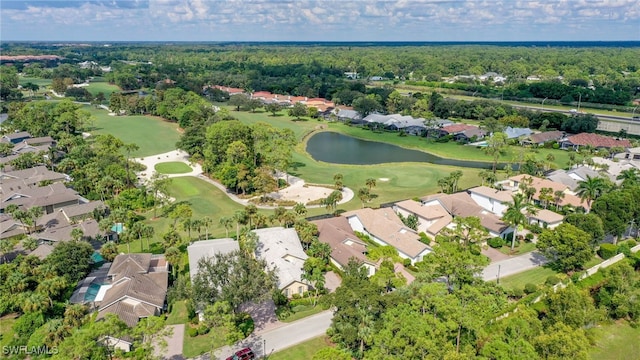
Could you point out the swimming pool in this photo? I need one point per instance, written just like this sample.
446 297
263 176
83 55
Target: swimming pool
91 293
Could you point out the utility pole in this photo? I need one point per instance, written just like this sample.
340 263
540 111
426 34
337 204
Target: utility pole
498 276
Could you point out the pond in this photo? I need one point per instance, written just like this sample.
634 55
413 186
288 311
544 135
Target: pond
332 147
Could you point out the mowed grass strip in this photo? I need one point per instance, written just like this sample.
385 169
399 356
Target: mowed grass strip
99 85
616 341
304 350
153 135
535 276
173 167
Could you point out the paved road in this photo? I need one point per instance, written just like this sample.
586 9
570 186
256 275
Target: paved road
513 265
280 338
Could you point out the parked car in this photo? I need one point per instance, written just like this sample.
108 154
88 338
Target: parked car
244 354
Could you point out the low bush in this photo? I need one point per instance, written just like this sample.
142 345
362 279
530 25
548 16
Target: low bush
192 332
516 293
625 249
552 280
406 262
203 329
607 251
530 288
495 242
528 237
245 323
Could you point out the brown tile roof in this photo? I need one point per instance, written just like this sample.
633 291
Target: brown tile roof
457 128
596 140
344 243
461 205
547 216
128 264
387 226
543 137
90 229
40 140
425 212
538 183
53 194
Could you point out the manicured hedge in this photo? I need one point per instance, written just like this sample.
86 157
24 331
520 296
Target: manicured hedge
607 251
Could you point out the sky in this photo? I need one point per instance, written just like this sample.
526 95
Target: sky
319 20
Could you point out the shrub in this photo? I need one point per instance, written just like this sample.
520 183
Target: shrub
424 238
576 277
528 237
192 332
536 229
245 323
475 249
296 296
552 280
530 288
516 293
624 249
495 242
203 329
406 262
607 251
632 243
556 146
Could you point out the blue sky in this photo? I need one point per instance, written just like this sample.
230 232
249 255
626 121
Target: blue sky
320 20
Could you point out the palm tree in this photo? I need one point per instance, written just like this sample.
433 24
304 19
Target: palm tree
629 177
514 215
35 213
300 209
260 220
147 232
173 256
370 182
129 148
206 222
226 222
52 287
591 188
240 217
337 179
33 302
557 197
364 195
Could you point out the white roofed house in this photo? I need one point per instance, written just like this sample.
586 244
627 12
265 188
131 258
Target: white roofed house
283 253
544 218
490 199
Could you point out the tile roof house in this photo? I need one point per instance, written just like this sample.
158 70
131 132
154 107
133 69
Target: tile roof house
138 287
545 218
206 249
513 183
597 141
540 139
345 245
282 250
574 176
15 137
431 219
462 205
48 197
630 154
19 179
515 133
455 129
490 199
386 228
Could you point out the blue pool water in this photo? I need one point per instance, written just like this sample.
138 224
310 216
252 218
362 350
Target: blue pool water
92 291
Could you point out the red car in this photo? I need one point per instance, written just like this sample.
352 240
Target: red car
244 354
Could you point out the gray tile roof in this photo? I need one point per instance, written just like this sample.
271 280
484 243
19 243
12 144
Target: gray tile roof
208 248
281 249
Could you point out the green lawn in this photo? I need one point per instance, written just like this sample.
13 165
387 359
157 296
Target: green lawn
304 350
534 276
152 135
6 330
303 313
99 85
178 314
282 121
173 167
194 346
38 81
617 341
519 250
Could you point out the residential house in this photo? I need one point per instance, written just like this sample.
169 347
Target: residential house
230 90
615 168
462 205
574 176
207 249
348 115
454 129
542 138
544 218
494 200
431 219
594 140
516 133
136 287
17 180
48 197
15 137
495 77
469 135
352 75
345 245
386 228
630 154
513 184
282 251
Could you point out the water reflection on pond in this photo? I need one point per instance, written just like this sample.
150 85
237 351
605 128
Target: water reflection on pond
336 148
